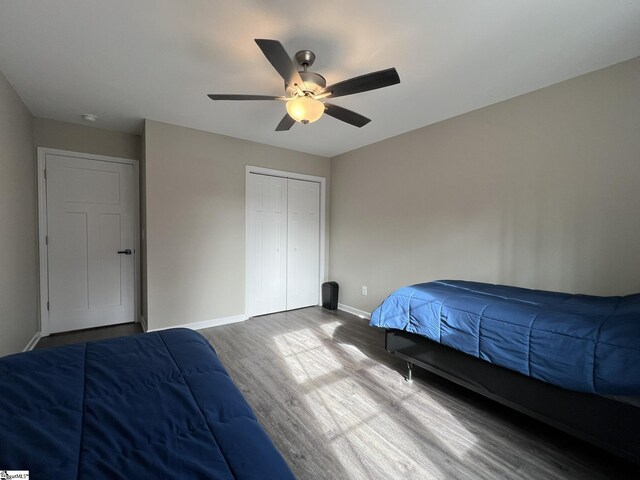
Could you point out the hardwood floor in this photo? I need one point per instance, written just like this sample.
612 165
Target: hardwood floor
89 334
337 407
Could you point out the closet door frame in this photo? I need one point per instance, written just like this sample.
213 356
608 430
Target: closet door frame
295 176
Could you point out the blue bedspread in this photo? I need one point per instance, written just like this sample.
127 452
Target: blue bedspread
156 405
579 342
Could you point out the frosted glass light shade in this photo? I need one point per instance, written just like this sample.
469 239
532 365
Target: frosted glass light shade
305 109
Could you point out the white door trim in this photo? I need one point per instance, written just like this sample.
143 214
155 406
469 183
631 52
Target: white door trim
42 228
296 176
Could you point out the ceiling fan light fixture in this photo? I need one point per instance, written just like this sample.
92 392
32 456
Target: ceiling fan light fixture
305 109
304 89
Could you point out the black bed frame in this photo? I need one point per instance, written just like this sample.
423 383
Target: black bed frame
601 421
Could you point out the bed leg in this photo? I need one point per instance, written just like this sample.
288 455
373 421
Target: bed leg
409 377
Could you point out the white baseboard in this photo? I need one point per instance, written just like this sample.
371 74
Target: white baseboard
354 311
32 343
216 322
143 322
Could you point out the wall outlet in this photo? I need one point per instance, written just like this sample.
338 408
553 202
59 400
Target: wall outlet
364 290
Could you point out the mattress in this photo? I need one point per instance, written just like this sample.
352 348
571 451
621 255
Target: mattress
579 342
155 405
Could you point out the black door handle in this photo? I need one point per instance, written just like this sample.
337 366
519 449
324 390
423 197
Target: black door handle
125 252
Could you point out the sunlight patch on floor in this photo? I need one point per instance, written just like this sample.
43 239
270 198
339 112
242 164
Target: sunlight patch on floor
330 328
297 341
351 416
419 401
352 421
306 356
356 354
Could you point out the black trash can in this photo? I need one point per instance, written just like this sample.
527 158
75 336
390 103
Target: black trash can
330 295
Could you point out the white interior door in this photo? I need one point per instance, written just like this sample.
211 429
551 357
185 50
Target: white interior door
90 219
303 243
267 254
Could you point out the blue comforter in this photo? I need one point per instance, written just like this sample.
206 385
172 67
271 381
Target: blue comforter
156 405
579 342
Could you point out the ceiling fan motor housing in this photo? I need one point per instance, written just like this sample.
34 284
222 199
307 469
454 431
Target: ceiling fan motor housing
313 83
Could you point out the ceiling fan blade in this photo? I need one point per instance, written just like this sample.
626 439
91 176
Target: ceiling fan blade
279 58
364 83
345 115
213 96
285 124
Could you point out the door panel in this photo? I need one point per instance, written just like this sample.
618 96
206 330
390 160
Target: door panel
69 266
109 272
303 243
89 219
267 244
85 185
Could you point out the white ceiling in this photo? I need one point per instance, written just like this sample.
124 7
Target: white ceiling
126 60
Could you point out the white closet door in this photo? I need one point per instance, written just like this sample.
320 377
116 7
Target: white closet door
267 288
303 245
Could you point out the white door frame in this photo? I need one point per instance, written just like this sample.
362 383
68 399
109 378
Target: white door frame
42 228
296 176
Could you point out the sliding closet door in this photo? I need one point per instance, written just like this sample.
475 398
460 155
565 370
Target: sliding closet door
303 245
267 244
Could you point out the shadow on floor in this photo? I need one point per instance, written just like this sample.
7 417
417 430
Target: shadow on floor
89 335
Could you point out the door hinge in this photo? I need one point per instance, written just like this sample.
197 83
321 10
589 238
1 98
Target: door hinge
46 240
45 173
47 304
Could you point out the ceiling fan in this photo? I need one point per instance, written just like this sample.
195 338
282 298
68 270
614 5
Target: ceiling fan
306 90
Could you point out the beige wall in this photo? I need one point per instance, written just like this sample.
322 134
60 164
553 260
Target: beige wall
143 230
18 244
539 191
195 184
85 139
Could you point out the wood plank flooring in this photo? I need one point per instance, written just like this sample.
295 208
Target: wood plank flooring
88 335
337 407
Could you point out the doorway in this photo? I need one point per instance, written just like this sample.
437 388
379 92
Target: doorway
89 241
284 240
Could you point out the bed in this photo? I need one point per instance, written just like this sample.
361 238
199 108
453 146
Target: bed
155 405
568 360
